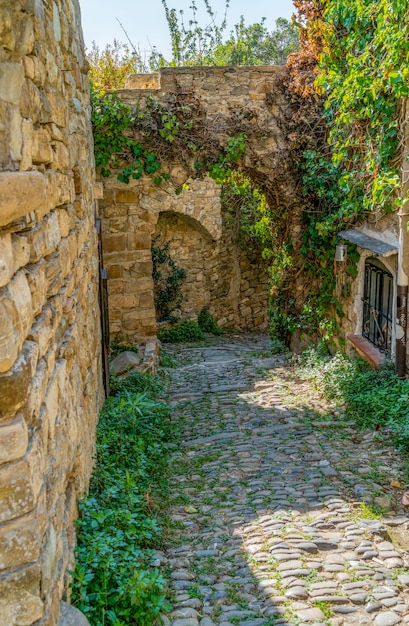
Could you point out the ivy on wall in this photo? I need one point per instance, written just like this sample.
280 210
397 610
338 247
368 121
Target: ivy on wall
347 82
364 74
168 280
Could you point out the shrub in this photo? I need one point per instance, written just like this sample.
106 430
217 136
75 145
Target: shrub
372 397
114 582
185 332
207 323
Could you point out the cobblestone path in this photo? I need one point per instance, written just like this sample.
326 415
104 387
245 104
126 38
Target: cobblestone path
273 497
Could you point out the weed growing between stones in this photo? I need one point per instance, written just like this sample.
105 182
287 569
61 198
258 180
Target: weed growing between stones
115 581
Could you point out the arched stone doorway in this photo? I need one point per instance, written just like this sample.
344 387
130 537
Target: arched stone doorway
230 282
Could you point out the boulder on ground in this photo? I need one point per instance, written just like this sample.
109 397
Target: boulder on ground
70 616
123 363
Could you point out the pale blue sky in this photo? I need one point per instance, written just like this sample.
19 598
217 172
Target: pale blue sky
145 21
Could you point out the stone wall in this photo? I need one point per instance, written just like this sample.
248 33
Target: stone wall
50 365
230 282
221 275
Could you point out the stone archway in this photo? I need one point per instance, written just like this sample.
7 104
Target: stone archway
232 282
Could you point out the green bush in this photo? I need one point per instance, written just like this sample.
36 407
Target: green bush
114 582
117 347
184 332
208 324
372 397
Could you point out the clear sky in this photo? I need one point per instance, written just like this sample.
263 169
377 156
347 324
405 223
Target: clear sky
145 22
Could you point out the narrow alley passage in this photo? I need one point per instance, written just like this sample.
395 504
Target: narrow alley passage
276 500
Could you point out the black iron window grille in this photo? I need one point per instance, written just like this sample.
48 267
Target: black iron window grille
378 305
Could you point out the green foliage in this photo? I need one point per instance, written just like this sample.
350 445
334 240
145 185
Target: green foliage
221 170
168 279
111 66
256 45
364 74
349 149
255 222
135 383
196 44
184 332
374 398
115 582
117 347
207 323
192 43
111 118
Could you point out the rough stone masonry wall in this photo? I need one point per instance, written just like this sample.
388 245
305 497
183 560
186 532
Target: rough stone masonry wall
50 371
232 282
221 276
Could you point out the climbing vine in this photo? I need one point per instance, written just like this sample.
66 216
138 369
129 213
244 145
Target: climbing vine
168 279
346 82
364 74
111 119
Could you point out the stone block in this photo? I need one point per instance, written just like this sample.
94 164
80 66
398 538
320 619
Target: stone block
42 152
25 35
36 278
44 239
49 561
13 440
30 103
21 251
115 271
98 189
20 539
126 195
20 193
26 162
57 108
34 409
15 319
137 241
15 384
61 157
114 243
60 189
52 405
20 597
64 222
11 82
20 294
6 259
18 488
123 302
15 137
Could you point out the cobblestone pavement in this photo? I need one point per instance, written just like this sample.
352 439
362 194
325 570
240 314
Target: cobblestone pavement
274 497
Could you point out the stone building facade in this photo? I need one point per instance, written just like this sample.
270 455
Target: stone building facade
375 302
50 356
230 281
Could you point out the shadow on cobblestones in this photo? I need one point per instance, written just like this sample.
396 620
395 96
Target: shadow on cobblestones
277 501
